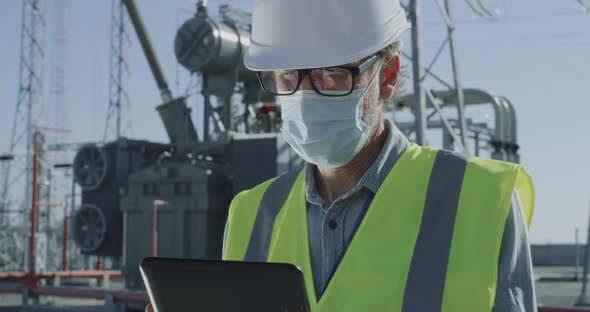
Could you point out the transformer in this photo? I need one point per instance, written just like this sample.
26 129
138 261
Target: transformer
197 193
97 225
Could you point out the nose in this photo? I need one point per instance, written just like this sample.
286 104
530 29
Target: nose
305 83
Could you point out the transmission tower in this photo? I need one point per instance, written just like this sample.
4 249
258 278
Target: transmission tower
57 180
421 91
58 105
119 72
448 104
17 164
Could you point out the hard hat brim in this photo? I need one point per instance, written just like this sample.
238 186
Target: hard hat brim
262 57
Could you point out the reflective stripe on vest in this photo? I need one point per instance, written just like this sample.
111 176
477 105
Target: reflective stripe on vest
444 248
431 252
271 204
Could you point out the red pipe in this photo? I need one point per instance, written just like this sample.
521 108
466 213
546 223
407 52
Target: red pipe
142 297
32 252
83 274
64 260
63 274
13 275
98 264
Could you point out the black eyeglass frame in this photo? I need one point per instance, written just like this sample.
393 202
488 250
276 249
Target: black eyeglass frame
354 70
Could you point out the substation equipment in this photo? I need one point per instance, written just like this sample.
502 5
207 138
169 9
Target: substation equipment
195 178
141 198
498 136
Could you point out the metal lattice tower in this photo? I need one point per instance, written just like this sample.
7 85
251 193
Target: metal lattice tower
444 108
17 173
58 75
58 183
119 72
421 91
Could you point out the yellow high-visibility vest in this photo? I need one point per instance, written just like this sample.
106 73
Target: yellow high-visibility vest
430 240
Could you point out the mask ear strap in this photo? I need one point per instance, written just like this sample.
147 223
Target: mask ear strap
361 107
372 80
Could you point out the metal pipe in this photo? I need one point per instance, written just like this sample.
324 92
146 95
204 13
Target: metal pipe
77 292
512 135
156 204
420 96
150 54
66 224
227 111
576 272
206 108
129 296
476 144
509 139
582 298
499 127
140 296
155 230
64 260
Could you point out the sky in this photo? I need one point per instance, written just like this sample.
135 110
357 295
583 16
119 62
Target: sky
535 53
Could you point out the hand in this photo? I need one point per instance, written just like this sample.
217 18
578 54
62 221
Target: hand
149 308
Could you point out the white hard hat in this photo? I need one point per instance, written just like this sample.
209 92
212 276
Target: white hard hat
289 34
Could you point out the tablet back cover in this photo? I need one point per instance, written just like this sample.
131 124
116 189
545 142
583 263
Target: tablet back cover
178 285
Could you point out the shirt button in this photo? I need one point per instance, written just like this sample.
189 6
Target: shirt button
333 224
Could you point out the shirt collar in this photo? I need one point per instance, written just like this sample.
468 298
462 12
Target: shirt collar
372 179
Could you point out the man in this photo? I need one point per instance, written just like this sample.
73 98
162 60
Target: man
375 222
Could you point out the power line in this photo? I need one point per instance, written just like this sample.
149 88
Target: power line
510 19
542 16
553 37
510 49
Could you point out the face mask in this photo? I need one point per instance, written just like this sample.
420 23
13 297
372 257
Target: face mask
325 131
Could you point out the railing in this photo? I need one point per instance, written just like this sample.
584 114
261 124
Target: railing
137 297
62 274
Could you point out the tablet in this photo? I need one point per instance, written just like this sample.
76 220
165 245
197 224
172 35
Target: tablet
179 285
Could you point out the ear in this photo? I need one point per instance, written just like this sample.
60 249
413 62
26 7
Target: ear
390 75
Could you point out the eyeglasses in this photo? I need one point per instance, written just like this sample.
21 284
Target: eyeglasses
328 81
